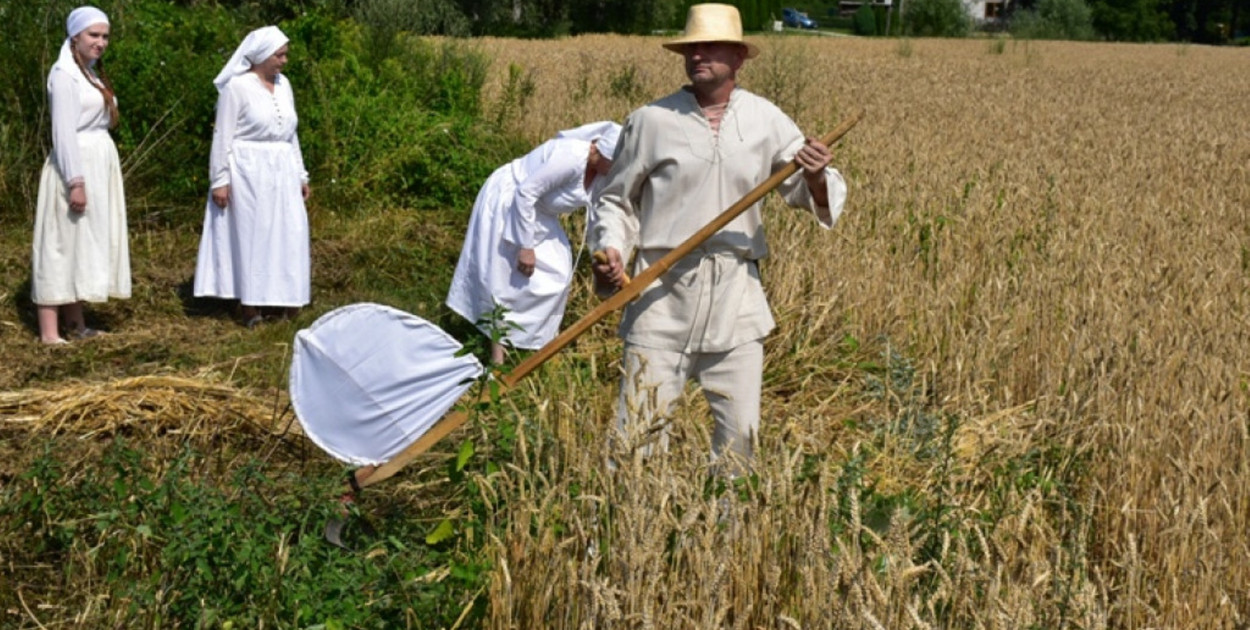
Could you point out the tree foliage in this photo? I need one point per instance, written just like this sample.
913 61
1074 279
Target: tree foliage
1055 19
865 21
378 108
1133 20
1206 21
937 18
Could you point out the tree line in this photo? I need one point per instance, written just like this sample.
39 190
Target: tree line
1198 21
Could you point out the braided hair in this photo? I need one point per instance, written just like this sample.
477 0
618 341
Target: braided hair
100 81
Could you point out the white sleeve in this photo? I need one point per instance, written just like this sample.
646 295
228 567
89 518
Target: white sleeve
66 109
299 153
299 156
615 218
835 188
795 191
223 138
561 169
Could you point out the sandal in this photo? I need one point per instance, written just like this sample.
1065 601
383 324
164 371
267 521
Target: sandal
87 333
255 321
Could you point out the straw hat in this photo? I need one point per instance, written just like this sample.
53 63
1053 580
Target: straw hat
712 23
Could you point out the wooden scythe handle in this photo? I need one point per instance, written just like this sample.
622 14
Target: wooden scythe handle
453 420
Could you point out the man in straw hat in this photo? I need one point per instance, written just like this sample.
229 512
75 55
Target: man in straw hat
680 162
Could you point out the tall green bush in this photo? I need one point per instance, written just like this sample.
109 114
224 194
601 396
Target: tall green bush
1132 20
937 18
163 60
1055 19
405 130
32 36
399 124
386 19
865 21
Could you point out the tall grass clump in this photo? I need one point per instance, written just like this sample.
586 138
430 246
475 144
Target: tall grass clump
780 76
904 48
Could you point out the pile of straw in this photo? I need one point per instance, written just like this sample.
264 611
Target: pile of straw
150 405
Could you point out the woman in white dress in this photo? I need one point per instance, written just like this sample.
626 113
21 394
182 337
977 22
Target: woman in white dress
255 243
515 253
80 251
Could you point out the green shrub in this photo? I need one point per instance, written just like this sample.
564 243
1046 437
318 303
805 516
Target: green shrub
1055 19
937 18
837 23
184 543
163 60
405 130
1132 21
904 48
627 84
33 35
865 21
393 120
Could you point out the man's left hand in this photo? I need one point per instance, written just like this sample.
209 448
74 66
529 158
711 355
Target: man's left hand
813 158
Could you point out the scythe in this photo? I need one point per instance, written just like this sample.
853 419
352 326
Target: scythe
464 369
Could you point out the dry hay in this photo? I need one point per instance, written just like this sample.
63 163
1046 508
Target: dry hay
149 405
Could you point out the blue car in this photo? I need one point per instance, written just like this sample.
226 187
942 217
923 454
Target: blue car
796 19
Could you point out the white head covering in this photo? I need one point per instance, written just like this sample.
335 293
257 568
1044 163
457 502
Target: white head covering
78 21
258 46
603 133
82 17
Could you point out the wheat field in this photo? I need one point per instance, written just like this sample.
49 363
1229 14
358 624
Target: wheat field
1009 389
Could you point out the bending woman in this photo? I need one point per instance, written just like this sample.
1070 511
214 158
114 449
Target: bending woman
255 242
515 253
81 251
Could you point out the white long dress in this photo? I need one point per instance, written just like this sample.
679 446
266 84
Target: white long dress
519 207
256 249
79 256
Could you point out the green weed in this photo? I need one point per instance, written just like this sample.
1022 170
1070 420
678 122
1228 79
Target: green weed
626 84
179 543
904 48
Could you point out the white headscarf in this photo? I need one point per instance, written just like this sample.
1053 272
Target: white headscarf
603 133
258 46
78 21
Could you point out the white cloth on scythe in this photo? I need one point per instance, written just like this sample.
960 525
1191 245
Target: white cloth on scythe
368 380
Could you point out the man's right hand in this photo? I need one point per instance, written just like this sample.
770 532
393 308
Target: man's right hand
609 270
